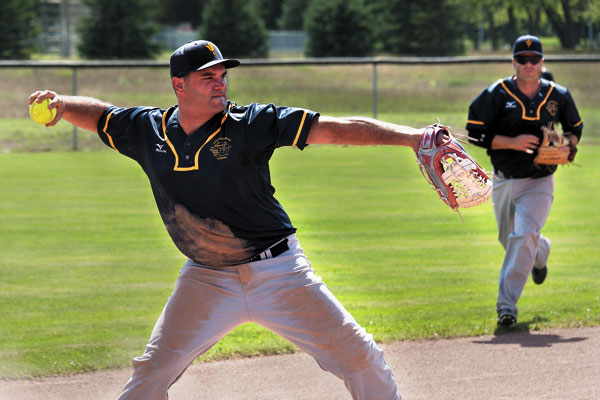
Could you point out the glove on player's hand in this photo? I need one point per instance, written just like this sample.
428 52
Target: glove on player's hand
555 148
458 179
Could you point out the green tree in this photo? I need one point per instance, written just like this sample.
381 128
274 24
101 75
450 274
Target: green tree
18 29
292 14
175 12
338 28
534 21
119 29
235 27
424 28
568 19
269 11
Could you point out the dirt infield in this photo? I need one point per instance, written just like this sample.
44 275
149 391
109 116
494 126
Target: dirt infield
556 364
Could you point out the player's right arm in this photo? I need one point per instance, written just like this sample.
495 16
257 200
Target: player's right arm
483 110
525 142
83 112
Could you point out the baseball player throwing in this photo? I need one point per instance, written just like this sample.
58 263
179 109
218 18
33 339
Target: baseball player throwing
207 160
506 119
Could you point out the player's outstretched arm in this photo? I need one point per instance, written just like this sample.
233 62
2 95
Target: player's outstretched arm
83 112
360 131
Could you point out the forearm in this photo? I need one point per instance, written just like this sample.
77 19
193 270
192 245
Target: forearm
360 131
527 143
572 137
501 142
84 112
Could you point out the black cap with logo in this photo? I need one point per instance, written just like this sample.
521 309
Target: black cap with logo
527 44
197 55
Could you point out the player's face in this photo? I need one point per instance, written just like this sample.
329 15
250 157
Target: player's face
207 88
528 67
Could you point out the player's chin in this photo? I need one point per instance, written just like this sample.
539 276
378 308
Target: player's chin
219 101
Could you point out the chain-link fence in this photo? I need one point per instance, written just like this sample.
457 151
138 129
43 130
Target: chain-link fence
405 90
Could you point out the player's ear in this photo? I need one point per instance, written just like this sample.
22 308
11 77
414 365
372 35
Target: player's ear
177 84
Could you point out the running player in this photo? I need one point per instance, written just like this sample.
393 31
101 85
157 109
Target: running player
506 119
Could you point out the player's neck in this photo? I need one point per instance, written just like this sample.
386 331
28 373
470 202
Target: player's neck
528 88
191 120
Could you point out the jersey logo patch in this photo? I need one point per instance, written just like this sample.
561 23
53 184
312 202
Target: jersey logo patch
159 148
552 108
511 104
220 148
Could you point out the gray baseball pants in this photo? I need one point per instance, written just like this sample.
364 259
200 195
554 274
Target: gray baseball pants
282 294
521 207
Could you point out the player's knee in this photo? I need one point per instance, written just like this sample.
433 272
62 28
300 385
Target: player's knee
157 362
360 355
525 240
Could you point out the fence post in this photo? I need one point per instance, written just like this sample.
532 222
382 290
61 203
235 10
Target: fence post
74 92
374 90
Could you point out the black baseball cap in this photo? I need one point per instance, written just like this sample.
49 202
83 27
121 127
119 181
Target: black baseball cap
197 55
528 44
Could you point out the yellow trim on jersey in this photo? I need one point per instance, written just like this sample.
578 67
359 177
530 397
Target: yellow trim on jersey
524 116
195 166
577 124
470 121
110 139
299 129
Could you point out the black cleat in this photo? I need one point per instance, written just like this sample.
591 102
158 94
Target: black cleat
506 319
539 275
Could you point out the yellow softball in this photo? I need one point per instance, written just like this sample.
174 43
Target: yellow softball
40 112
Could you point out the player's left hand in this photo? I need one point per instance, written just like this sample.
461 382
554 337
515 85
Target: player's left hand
555 148
458 179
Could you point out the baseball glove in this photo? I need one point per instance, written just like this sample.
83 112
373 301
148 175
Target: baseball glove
458 179
554 149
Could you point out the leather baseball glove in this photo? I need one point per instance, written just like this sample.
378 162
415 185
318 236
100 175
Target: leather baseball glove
458 179
555 148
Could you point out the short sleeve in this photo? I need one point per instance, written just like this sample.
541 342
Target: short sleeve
120 129
571 121
481 114
269 127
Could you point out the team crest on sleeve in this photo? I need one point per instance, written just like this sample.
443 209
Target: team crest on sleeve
552 108
221 147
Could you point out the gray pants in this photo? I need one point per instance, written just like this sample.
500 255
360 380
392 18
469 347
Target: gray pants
521 207
282 294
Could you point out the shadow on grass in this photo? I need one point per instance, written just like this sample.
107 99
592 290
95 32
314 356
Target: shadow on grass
521 334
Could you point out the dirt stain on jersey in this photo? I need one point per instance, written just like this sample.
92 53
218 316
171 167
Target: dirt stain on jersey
205 240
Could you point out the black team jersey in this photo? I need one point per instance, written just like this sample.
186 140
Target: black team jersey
212 187
502 109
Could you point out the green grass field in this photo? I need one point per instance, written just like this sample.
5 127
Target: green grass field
87 266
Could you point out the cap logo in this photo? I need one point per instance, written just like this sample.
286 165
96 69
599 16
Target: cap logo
211 48
529 41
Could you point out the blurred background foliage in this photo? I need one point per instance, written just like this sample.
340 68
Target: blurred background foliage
126 29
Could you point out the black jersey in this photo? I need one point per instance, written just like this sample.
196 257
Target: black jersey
212 187
502 109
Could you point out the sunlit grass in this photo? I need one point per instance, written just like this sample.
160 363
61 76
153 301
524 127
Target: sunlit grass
87 265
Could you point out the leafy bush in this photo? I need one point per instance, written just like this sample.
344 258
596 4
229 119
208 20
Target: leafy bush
235 28
338 28
118 29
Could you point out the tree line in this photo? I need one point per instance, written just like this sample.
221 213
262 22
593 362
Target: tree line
127 29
